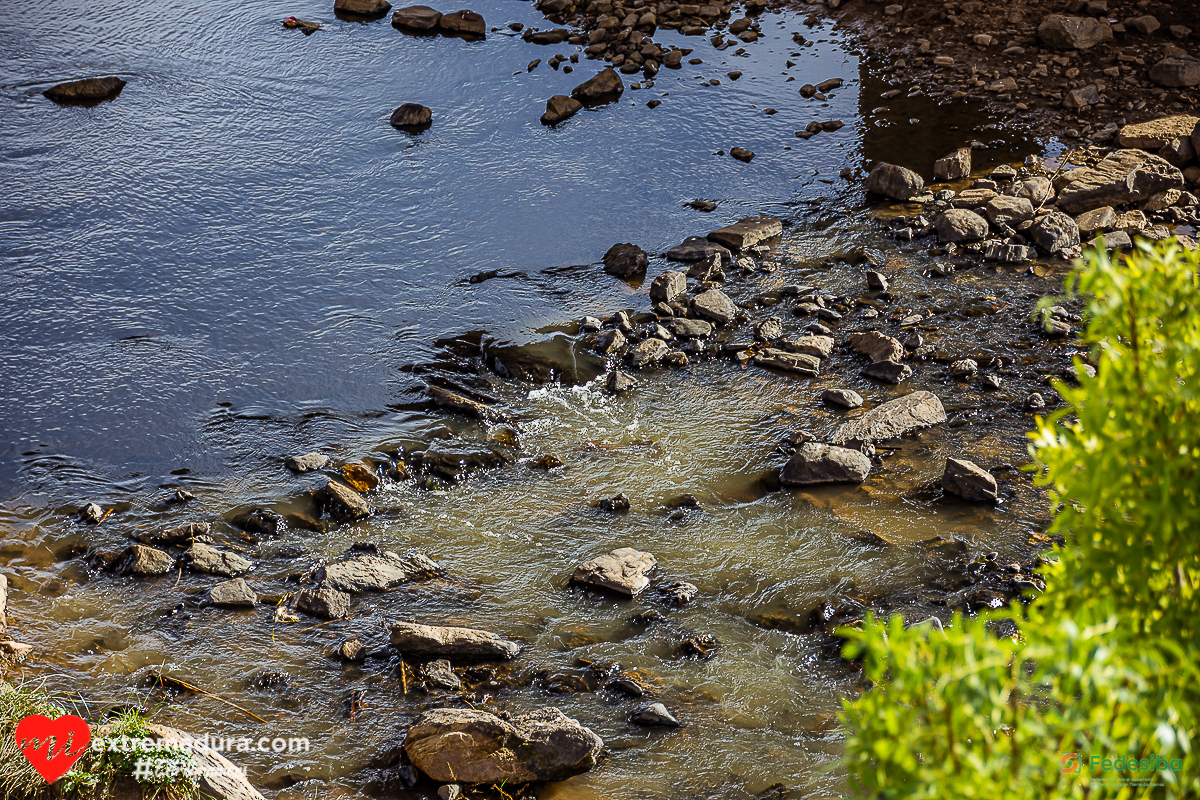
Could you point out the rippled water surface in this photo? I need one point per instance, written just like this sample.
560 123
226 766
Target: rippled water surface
238 259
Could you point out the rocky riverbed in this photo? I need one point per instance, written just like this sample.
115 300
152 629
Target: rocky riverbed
606 556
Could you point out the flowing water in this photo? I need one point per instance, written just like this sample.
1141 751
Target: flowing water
238 259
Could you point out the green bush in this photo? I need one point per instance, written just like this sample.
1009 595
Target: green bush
1105 665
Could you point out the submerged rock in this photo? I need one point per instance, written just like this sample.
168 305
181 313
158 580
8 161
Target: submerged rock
88 90
180 534
457 402
891 420
814 463
449 642
968 481
475 747
623 572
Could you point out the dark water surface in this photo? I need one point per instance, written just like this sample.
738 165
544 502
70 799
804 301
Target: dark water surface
239 259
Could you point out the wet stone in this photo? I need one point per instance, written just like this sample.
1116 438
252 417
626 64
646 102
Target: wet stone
325 602
680 592
450 642
91 513
898 183
888 371
846 398
205 558
88 90
684 328
968 481
234 592
964 368
654 715
142 560
667 286
620 382
411 115
465 23
876 346
560 107
747 232
817 345
769 329
439 675
352 650
180 534
798 363
343 503
309 462
625 260
416 18
891 420
814 463
647 352
370 572
623 572
714 305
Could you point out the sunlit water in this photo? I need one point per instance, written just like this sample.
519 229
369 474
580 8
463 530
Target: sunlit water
238 259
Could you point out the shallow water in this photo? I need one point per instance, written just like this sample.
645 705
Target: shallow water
238 260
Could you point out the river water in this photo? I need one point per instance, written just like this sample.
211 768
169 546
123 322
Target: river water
238 259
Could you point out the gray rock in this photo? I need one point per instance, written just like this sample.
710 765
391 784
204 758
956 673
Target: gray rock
449 642
345 504
667 286
846 398
954 166
368 572
1035 402
180 534
1074 33
91 513
769 329
968 481
309 462
625 260
623 572
815 345
463 23
876 281
607 343
960 225
604 85
877 346
814 463
680 592
352 650
1055 232
654 715
891 420
1117 240
714 305
1096 221
1010 211
142 560
685 328
450 791
1009 253
439 675
964 368
560 107
895 182
235 592
208 559
1036 190
697 248
799 363
1176 72
747 232
362 8
1121 177
647 352
888 371
1082 97
416 18
475 747
325 602
620 382
88 90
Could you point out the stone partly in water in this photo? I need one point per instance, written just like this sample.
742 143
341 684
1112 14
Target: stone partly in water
846 398
325 602
697 248
798 363
891 420
605 85
234 592
88 90
180 534
877 346
654 715
344 504
625 260
968 481
747 232
714 305
309 462
1074 33
368 572
1055 232
476 747
416 18
411 116
439 675
457 402
895 182
1123 176
623 572
956 225
814 463
667 286
463 23
362 8
208 559
954 166
141 560
450 642
560 107
888 371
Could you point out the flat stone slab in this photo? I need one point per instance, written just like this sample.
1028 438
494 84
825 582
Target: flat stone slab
376 573
1121 177
817 346
877 346
696 248
747 232
714 305
623 572
180 534
799 363
208 559
814 463
891 420
1157 133
449 642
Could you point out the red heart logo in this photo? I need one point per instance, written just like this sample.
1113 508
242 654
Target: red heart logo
36 732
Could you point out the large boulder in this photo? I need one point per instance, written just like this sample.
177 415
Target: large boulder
416 18
877 346
891 420
368 572
954 166
438 641
819 463
895 182
459 745
88 90
623 572
411 115
960 225
625 260
560 107
605 85
463 23
968 481
1176 72
1155 134
1055 232
1074 33
747 232
1123 176
362 8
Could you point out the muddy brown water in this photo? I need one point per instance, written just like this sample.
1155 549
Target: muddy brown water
238 260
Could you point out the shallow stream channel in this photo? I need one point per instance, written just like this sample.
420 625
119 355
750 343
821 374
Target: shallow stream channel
237 260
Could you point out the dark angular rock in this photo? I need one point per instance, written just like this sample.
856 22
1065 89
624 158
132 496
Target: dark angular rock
416 18
654 715
411 115
625 260
968 481
88 90
464 23
560 107
895 182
